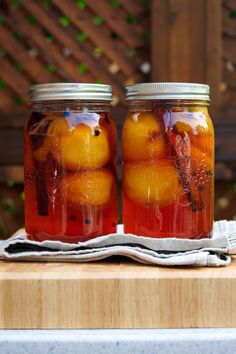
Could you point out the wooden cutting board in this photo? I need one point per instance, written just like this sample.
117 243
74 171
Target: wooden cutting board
115 294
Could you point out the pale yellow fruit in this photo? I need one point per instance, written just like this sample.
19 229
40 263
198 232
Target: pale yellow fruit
88 188
151 182
143 137
80 147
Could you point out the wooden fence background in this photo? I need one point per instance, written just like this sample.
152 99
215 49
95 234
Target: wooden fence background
69 40
117 42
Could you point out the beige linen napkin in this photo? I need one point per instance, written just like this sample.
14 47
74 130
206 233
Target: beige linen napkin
166 252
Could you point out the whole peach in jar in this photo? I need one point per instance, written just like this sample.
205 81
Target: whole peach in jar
70 163
168 161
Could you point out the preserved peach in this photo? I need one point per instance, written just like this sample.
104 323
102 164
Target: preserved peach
143 137
82 147
88 188
149 183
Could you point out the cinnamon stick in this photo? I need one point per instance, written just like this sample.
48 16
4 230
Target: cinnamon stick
182 162
37 140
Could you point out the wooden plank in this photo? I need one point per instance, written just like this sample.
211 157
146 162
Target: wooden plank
160 36
98 35
48 50
197 45
213 63
15 80
79 51
122 294
14 119
11 146
179 64
132 35
181 49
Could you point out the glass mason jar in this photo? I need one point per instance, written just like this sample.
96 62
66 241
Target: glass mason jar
168 161
70 163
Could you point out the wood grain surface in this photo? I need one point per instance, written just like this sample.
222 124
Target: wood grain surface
187 43
115 294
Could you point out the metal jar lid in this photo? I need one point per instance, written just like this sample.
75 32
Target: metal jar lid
168 91
70 91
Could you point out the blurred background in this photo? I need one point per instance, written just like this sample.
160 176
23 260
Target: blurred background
118 42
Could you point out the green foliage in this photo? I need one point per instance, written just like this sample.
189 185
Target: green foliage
81 36
232 14
49 37
47 4
97 20
18 68
130 19
2 84
51 69
64 21
146 35
17 35
114 3
18 100
3 228
22 195
11 205
130 52
15 4
32 20
2 52
2 20
81 4
146 4
8 205
81 68
10 183
97 50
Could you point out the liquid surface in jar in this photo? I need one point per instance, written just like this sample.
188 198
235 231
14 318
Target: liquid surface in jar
70 175
168 172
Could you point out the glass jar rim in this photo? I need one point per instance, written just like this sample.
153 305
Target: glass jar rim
70 91
168 91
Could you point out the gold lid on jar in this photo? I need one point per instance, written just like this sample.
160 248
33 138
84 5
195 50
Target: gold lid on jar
70 91
168 91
